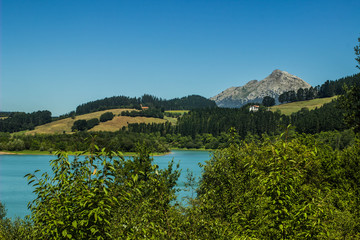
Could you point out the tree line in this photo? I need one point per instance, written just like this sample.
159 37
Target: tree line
329 117
184 103
151 112
327 89
19 121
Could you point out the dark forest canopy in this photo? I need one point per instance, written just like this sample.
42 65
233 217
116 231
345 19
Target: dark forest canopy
19 121
184 103
329 88
216 121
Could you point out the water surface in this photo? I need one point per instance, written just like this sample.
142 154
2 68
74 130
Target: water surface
15 193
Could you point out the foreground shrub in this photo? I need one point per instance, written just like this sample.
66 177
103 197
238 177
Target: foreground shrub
104 196
278 190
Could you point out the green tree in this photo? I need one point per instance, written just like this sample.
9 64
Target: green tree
106 116
265 190
357 53
75 203
104 196
268 101
300 94
92 123
350 100
79 125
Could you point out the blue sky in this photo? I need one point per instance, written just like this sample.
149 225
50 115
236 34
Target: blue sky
58 54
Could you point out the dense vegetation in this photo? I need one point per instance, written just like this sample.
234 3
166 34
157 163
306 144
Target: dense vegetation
219 120
202 128
80 141
327 89
82 125
187 103
19 121
151 112
288 187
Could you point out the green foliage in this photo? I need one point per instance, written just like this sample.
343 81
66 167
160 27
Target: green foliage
350 102
152 112
2 211
326 118
13 230
15 145
19 121
80 141
106 116
219 120
145 210
104 196
82 125
327 89
92 123
283 189
357 53
184 103
79 125
268 101
75 202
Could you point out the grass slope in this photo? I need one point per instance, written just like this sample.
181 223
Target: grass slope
64 125
289 108
122 121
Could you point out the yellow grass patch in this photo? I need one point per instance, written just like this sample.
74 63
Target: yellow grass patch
178 111
289 108
64 125
119 122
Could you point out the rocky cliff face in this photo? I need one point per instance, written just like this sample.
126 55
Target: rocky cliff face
254 91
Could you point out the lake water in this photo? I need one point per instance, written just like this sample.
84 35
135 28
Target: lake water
15 193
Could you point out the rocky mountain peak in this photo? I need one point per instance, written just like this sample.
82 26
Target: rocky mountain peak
254 91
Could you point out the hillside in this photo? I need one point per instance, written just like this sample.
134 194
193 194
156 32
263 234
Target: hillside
184 103
254 91
64 125
289 108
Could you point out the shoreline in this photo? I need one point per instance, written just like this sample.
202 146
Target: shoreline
126 154
7 153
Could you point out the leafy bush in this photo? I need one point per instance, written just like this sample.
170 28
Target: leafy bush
106 116
92 123
278 190
79 125
104 196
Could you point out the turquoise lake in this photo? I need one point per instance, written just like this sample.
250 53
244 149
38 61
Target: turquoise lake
15 193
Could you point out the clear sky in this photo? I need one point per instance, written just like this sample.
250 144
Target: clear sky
57 54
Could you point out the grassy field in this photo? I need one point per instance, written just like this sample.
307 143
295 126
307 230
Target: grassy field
173 120
177 111
64 125
289 108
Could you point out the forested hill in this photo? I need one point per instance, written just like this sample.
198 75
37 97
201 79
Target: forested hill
329 88
185 103
19 121
336 87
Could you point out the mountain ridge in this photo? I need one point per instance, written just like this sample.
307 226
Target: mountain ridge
254 91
